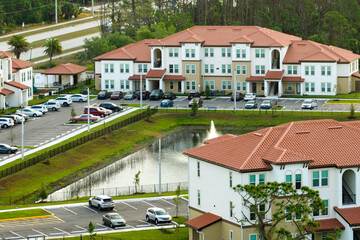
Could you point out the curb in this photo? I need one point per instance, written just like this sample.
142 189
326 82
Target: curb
24 218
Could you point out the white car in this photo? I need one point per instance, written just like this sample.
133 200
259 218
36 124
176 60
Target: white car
108 111
53 105
158 215
41 108
250 96
78 98
29 112
6 122
309 104
64 101
102 202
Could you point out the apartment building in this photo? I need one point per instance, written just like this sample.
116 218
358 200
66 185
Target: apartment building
320 154
227 58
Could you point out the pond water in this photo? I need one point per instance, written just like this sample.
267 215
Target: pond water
118 178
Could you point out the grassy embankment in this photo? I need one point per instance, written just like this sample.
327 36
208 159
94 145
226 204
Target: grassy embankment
24 214
77 162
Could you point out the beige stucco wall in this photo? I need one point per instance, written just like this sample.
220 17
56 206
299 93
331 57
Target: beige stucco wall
353 80
285 87
343 85
258 88
218 80
193 77
167 86
97 82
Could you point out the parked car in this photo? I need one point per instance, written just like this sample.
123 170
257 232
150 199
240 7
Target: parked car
20 115
64 101
266 104
116 95
156 94
78 98
111 106
113 220
108 111
166 103
169 95
101 202
6 122
96 111
145 95
4 148
41 108
104 94
53 105
29 112
239 96
130 95
15 118
309 104
193 94
84 118
158 215
251 104
198 100
250 96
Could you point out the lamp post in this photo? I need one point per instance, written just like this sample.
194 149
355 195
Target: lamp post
56 16
141 97
30 53
22 134
88 108
159 166
234 90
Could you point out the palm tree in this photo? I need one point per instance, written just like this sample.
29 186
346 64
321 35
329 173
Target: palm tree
18 44
52 47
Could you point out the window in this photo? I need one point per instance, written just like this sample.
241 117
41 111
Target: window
229 68
262 53
257 53
211 68
212 85
243 70
238 71
174 68
288 178
237 53
106 84
328 87
324 178
187 52
187 69
193 68
262 86
207 83
124 68
323 71
127 68
295 70
140 68
244 86
307 70
223 68
316 179
297 181
192 53
111 84
230 179
326 210
223 85
127 84
261 178
28 75
287 211
211 52
252 237
223 52
106 68
199 197
289 69
231 209
228 85
176 52
29 92
324 235
289 86
262 210
260 69
206 68
171 85
292 70
238 86
312 72
171 52
322 87
121 68
193 85
111 68
310 87
23 76
252 180
231 235
243 53
187 85
198 168
206 52
122 86
252 213
228 52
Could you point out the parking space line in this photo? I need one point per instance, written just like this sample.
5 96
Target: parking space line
89 208
298 101
62 231
128 205
168 202
40 232
148 223
103 226
149 204
80 227
17 234
70 210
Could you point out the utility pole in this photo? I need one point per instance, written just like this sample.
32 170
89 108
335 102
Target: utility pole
56 15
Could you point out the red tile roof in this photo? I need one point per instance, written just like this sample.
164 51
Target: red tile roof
203 221
65 69
139 52
174 77
292 79
255 79
137 77
295 142
17 85
356 74
219 139
274 74
155 73
18 64
6 91
309 51
6 54
350 215
327 225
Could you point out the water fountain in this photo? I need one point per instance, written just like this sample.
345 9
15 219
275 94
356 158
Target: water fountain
212 132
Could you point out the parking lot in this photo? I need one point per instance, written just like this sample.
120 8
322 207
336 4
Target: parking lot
74 219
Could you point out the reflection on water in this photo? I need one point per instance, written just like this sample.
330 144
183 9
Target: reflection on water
121 173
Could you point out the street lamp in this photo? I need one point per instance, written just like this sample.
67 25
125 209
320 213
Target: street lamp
234 90
141 103
22 134
30 53
88 108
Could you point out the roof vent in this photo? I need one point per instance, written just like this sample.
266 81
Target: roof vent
335 127
211 29
303 132
258 134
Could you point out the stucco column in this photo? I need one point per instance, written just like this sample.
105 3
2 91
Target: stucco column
302 86
280 88
266 88
147 83
248 89
183 86
161 84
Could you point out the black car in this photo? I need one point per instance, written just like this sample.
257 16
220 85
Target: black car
111 106
169 95
193 94
156 94
145 95
4 148
239 96
104 94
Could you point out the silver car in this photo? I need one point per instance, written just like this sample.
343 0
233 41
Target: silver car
29 112
78 98
158 215
41 108
113 220
102 202
309 104
53 105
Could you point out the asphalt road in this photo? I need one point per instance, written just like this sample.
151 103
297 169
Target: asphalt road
74 219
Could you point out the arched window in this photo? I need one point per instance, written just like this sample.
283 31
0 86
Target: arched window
157 58
289 177
275 59
349 187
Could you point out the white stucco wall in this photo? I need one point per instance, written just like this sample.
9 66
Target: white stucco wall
318 78
173 60
116 75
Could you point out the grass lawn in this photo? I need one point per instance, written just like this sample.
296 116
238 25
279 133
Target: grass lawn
343 101
133 105
23 214
179 220
74 163
352 95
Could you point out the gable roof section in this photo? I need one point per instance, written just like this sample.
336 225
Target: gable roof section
65 69
17 85
255 79
350 215
292 79
18 64
155 73
6 54
296 142
219 139
5 91
274 74
327 225
203 221
356 74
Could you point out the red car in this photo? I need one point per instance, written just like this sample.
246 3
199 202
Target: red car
116 95
96 111
84 118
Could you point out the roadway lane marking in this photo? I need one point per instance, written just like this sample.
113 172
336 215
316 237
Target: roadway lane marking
148 203
128 205
89 208
62 231
168 202
17 234
40 232
70 210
